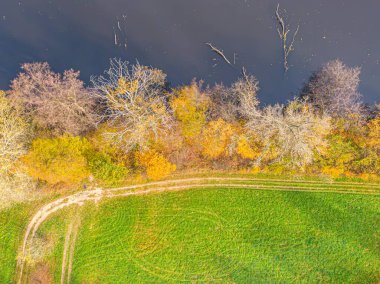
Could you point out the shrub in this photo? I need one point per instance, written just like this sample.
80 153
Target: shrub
58 160
14 188
155 165
103 140
40 247
105 169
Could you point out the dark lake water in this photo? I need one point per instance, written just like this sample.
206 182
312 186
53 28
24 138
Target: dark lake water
171 35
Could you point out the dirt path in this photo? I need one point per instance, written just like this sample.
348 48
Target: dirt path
68 250
65 250
71 247
155 187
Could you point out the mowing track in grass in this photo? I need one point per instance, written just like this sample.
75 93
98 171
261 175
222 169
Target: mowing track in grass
180 185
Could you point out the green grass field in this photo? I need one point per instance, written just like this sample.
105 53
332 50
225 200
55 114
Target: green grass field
219 235
230 235
12 223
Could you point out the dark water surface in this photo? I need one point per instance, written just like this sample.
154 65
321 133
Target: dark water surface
171 35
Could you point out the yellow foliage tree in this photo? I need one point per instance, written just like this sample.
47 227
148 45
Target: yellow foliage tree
374 132
58 160
340 156
218 139
370 164
247 148
190 106
155 164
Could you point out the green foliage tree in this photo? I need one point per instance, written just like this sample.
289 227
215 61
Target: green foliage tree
340 156
105 169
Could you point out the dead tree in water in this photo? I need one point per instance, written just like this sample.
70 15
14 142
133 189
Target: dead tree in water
283 32
220 53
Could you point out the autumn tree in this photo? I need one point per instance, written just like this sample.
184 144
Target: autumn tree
374 131
370 163
245 90
58 160
218 139
154 164
14 136
224 104
334 90
134 102
56 102
249 147
295 130
190 106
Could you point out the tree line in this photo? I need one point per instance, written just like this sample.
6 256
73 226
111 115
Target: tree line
56 132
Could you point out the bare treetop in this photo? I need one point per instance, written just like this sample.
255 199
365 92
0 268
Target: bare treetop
133 97
57 102
295 130
334 89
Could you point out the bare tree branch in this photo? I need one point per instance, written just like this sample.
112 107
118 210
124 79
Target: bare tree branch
120 32
220 53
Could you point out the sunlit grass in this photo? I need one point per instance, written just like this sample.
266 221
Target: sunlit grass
230 235
12 223
220 234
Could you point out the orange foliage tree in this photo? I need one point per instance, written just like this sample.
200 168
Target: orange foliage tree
155 165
